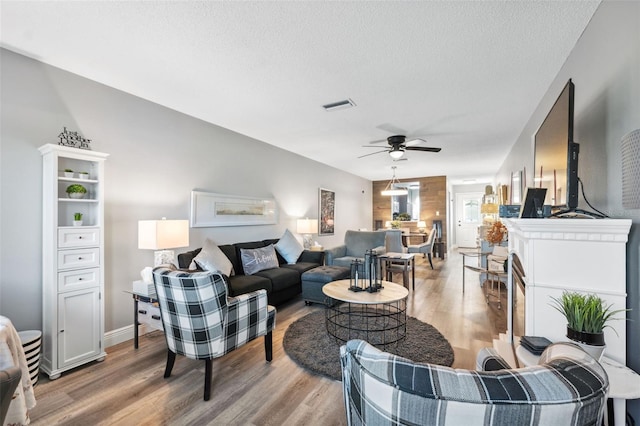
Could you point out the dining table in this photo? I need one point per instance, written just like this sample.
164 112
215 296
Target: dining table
12 354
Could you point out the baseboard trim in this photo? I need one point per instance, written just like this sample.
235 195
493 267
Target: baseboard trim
119 335
123 334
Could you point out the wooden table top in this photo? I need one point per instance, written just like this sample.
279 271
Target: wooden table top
390 292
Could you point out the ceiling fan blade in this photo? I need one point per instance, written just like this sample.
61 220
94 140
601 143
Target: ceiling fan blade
371 146
414 141
377 152
378 142
423 148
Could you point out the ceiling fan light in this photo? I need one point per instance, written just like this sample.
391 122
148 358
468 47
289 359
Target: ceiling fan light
391 192
396 154
390 189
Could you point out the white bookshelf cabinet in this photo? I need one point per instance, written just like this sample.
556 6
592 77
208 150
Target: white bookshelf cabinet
72 260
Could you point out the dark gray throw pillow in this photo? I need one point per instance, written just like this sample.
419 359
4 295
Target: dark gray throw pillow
259 259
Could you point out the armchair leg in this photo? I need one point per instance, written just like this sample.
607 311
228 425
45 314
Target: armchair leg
171 359
430 262
268 346
207 378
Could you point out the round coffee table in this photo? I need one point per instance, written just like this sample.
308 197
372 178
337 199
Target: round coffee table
379 318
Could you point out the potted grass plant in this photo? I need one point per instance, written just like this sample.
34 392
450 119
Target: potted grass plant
68 173
77 219
587 316
76 191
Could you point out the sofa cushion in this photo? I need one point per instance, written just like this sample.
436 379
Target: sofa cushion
289 247
258 259
302 267
281 278
211 258
241 284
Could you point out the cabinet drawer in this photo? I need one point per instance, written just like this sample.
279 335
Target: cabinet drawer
78 237
149 315
78 279
81 258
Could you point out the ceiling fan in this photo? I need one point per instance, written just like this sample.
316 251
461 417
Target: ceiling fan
398 144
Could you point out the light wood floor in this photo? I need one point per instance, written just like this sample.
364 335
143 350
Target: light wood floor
128 388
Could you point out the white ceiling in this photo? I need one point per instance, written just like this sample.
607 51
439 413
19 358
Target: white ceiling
464 75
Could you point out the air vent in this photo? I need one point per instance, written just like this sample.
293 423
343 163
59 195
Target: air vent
347 103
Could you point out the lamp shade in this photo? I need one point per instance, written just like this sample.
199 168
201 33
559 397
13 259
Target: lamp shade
422 224
307 226
163 234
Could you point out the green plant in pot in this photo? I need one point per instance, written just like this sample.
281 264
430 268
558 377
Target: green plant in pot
403 217
587 316
76 191
77 219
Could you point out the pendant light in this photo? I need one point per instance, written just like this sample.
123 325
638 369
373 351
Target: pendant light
390 190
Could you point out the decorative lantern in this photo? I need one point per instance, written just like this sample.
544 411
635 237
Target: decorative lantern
357 280
372 265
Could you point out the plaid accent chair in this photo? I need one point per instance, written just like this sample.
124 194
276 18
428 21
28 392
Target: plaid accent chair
201 322
567 387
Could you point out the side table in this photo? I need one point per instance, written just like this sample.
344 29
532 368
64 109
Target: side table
399 262
624 383
145 311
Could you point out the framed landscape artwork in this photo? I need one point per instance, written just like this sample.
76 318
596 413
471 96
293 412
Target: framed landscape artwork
210 209
327 205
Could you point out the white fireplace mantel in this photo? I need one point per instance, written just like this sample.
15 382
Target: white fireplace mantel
584 255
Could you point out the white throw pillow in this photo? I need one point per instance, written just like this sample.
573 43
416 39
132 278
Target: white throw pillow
211 258
258 259
289 247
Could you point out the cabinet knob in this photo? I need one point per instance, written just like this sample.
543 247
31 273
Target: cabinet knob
79 279
155 317
61 331
142 311
80 237
79 258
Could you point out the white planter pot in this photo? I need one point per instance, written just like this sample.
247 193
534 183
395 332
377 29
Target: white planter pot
83 175
76 195
595 351
68 174
77 223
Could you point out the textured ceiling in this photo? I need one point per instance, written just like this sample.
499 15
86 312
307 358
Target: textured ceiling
464 75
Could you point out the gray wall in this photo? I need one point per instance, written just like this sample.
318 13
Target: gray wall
605 68
157 156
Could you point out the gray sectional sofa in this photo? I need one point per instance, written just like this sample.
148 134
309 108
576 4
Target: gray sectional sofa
282 283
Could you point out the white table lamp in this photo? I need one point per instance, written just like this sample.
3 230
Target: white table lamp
161 235
306 227
422 225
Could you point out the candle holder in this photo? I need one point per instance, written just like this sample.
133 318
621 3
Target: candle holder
357 279
373 272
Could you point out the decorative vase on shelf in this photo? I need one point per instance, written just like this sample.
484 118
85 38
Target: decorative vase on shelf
68 174
77 223
83 175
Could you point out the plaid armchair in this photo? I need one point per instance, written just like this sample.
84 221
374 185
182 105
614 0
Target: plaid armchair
567 387
201 322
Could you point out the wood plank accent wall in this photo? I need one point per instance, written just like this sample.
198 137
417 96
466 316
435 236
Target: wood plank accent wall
433 198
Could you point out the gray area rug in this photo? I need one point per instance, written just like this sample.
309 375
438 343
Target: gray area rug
307 342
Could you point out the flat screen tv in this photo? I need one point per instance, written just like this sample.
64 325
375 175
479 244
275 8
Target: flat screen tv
556 155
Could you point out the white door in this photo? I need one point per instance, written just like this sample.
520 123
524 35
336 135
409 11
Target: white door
468 218
79 326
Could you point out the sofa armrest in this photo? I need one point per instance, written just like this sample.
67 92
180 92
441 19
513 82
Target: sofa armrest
333 253
488 359
312 257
